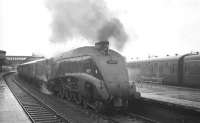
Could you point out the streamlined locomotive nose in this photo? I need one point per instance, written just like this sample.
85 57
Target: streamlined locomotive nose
119 89
119 92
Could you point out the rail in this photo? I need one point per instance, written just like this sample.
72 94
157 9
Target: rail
35 109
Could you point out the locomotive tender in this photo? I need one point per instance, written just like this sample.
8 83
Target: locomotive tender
178 70
94 76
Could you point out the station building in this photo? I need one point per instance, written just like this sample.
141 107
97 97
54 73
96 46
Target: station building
2 58
13 61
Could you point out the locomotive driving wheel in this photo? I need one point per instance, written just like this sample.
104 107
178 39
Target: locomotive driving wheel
85 103
67 94
70 96
61 93
78 98
99 106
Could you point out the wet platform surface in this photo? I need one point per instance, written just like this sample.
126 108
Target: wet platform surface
187 97
10 109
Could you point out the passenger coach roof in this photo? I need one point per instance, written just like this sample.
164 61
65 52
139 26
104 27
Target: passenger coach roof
192 57
158 59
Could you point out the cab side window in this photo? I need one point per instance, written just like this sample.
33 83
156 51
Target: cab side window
87 66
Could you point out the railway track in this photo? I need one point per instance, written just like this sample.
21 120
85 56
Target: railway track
40 112
140 111
36 110
127 117
145 119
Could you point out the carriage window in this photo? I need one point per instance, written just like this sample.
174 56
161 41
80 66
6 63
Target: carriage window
156 67
166 65
171 68
161 69
151 68
185 68
195 68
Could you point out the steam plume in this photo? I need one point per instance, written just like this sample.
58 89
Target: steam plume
86 18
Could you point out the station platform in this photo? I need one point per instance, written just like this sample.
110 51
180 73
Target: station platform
187 97
10 109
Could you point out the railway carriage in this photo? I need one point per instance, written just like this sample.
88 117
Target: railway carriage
191 71
157 70
179 70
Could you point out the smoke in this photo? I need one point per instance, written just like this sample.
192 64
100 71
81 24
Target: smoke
44 89
85 18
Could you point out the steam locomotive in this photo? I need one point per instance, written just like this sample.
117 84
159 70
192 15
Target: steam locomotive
93 76
178 70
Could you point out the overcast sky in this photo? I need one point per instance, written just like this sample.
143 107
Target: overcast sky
155 27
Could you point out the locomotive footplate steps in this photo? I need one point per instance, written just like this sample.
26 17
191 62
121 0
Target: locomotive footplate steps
10 109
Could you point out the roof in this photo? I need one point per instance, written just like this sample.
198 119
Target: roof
82 51
168 58
2 51
193 57
171 58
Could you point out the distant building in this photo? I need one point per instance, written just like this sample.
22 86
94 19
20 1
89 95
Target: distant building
32 58
15 60
2 58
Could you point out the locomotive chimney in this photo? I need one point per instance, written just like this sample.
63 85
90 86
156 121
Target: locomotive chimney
102 46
